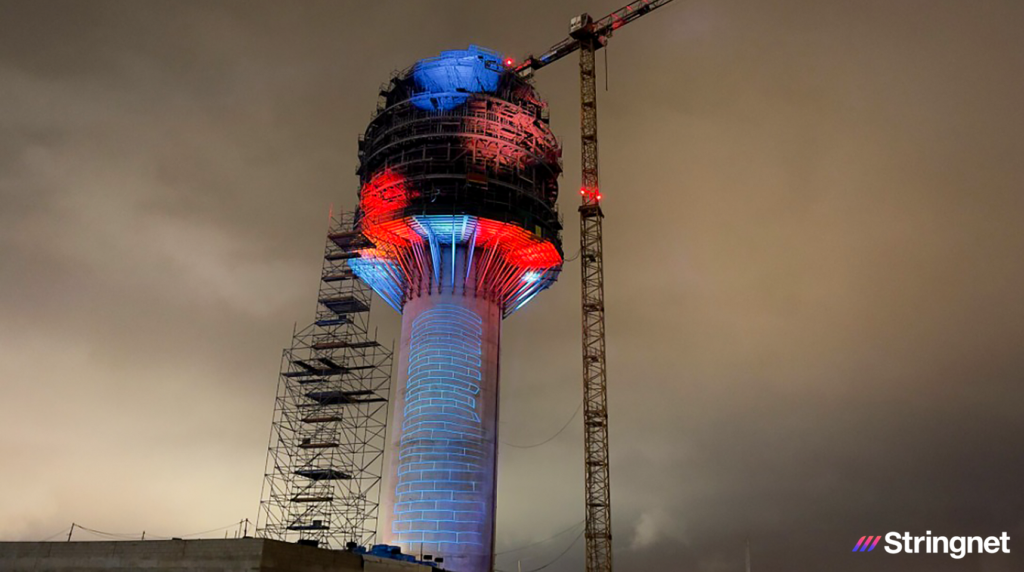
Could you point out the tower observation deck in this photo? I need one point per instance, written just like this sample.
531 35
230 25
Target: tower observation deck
458 173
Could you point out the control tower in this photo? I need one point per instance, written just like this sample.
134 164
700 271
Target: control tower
458 172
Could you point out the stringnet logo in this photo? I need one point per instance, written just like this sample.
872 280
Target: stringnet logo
863 546
955 546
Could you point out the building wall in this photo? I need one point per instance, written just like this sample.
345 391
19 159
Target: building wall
235 555
439 491
206 555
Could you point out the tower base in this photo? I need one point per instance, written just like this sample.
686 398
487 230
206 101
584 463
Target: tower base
439 492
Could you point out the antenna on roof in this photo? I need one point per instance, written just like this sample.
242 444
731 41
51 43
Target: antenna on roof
748 555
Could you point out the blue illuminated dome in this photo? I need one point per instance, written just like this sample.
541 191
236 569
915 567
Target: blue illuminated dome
445 82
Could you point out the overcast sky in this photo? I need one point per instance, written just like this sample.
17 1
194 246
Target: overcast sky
814 267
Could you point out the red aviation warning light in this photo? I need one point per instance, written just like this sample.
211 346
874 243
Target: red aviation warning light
509 62
587 36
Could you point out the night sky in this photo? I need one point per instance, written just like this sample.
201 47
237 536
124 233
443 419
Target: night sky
813 244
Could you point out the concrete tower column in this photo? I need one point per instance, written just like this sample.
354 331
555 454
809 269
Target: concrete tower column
439 490
459 230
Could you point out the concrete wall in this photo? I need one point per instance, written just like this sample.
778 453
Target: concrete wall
235 555
288 557
439 489
206 555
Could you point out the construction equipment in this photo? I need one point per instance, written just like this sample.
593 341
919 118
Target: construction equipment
325 457
587 36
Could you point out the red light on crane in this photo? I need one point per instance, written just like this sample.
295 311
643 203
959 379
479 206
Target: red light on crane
509 62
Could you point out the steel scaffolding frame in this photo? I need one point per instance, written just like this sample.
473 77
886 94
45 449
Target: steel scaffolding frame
325 457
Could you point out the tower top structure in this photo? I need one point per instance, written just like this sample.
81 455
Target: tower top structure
459 157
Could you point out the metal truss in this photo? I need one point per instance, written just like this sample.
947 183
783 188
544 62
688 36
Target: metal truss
326 452
595 382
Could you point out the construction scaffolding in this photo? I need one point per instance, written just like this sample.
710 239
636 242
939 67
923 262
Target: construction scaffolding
325 457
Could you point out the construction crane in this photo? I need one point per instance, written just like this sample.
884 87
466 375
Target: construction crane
587 36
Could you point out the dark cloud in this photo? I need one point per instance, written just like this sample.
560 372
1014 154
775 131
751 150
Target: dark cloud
813 252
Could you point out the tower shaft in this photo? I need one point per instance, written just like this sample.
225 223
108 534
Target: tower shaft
440 486
459 182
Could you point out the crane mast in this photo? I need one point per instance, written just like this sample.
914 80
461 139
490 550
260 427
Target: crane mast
588 36
595 381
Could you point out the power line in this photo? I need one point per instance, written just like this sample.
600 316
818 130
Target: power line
225 527
556 558
52 536
138 535
552 537
551 438
567 549
118 535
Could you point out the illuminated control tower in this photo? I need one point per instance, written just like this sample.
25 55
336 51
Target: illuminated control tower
458 172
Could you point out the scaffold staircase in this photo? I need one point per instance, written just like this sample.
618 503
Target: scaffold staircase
325 457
